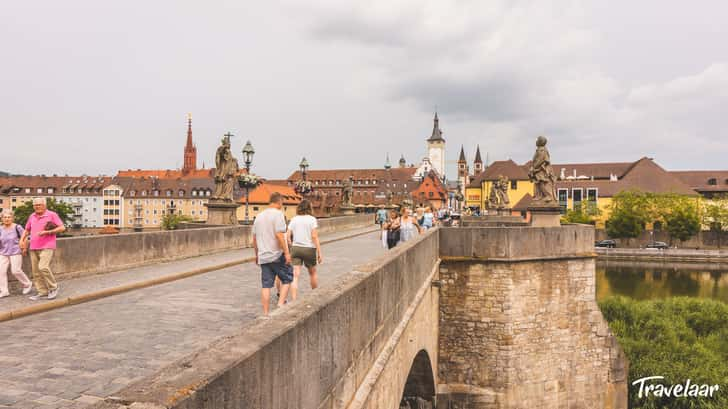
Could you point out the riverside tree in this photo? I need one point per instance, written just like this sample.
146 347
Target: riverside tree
64 210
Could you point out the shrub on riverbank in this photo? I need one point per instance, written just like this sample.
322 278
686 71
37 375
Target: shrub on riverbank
679 338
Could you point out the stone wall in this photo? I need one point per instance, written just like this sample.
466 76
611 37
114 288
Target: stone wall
316 353
519 323
77 256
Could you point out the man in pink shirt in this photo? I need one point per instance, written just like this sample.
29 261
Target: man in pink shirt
42 227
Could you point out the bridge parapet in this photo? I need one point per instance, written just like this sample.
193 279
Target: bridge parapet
323 351
519 323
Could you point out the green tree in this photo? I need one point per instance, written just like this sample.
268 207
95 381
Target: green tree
581 215
715 216
172 221
64 210
679 338
630 211
683 220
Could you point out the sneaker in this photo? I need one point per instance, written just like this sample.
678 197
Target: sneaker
26 290
37 297
3 295
53 294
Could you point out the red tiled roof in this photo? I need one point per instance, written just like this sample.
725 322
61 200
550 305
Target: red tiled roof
698 179
399 174
261 194
644 175
507 168
166 173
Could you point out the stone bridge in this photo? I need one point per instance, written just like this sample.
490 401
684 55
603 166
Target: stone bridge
482 317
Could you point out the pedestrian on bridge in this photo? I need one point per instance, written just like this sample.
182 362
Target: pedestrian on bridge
10 254
271 250
391 229
42 227
305 245
408 226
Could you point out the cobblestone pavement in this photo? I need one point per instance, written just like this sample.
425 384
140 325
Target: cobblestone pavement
88 284
74 356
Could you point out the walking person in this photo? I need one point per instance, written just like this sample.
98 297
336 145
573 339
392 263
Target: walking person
42 227
428 219
271 251
11 254
305 245
391 228
381 220
408 226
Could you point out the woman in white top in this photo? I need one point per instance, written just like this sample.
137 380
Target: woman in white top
408 226
305 247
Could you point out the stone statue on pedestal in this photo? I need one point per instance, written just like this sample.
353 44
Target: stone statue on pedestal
226 172
348 192
498 198
542 176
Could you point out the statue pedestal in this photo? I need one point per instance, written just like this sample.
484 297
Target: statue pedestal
222 213
545 216
347 210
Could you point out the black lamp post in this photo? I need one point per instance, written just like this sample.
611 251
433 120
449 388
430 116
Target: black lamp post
248 153
303 166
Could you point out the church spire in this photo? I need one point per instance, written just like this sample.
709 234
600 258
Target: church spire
436 132
387 165
462 154
478 162
190 153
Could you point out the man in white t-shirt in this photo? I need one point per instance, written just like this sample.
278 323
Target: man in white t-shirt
305 246
271 250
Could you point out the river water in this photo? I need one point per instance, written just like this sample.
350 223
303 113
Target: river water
650 280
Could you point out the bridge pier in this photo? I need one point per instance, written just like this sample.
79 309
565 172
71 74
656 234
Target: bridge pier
519 323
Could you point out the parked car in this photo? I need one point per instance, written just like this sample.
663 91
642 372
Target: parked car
606 243
659 245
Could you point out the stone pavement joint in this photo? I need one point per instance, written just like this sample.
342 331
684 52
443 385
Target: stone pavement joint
119 289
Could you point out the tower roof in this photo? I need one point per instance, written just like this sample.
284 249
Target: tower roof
387 165
436 132
189 132
477 155
462 154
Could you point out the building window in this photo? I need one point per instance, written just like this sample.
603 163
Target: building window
431 194
577 196
563 199
712 181
50 190
255 208
27 190
514 184
592 197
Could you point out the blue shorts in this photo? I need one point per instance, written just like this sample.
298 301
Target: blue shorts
278 268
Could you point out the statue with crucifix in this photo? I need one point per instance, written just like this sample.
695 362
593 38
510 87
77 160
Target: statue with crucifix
226 171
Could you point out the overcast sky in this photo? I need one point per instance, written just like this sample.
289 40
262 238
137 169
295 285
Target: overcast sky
92 87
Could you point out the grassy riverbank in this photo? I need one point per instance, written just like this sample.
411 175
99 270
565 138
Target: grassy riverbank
679 338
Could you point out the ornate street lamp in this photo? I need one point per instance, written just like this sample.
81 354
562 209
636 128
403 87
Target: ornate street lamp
304 166
303 187
248 153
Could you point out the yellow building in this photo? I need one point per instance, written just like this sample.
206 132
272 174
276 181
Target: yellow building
478 191
581 184
146 200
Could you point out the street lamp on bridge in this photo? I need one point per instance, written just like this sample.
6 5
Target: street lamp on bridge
248 153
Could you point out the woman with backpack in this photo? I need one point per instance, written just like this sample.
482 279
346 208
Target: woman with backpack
11 254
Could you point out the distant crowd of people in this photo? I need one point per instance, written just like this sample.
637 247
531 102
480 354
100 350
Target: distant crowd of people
399 226
37 239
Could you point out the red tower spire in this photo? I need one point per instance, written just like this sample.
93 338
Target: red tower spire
190 157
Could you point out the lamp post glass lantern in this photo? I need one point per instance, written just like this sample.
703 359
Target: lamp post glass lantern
303 187
248 153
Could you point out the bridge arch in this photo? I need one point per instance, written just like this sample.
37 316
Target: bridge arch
419 389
